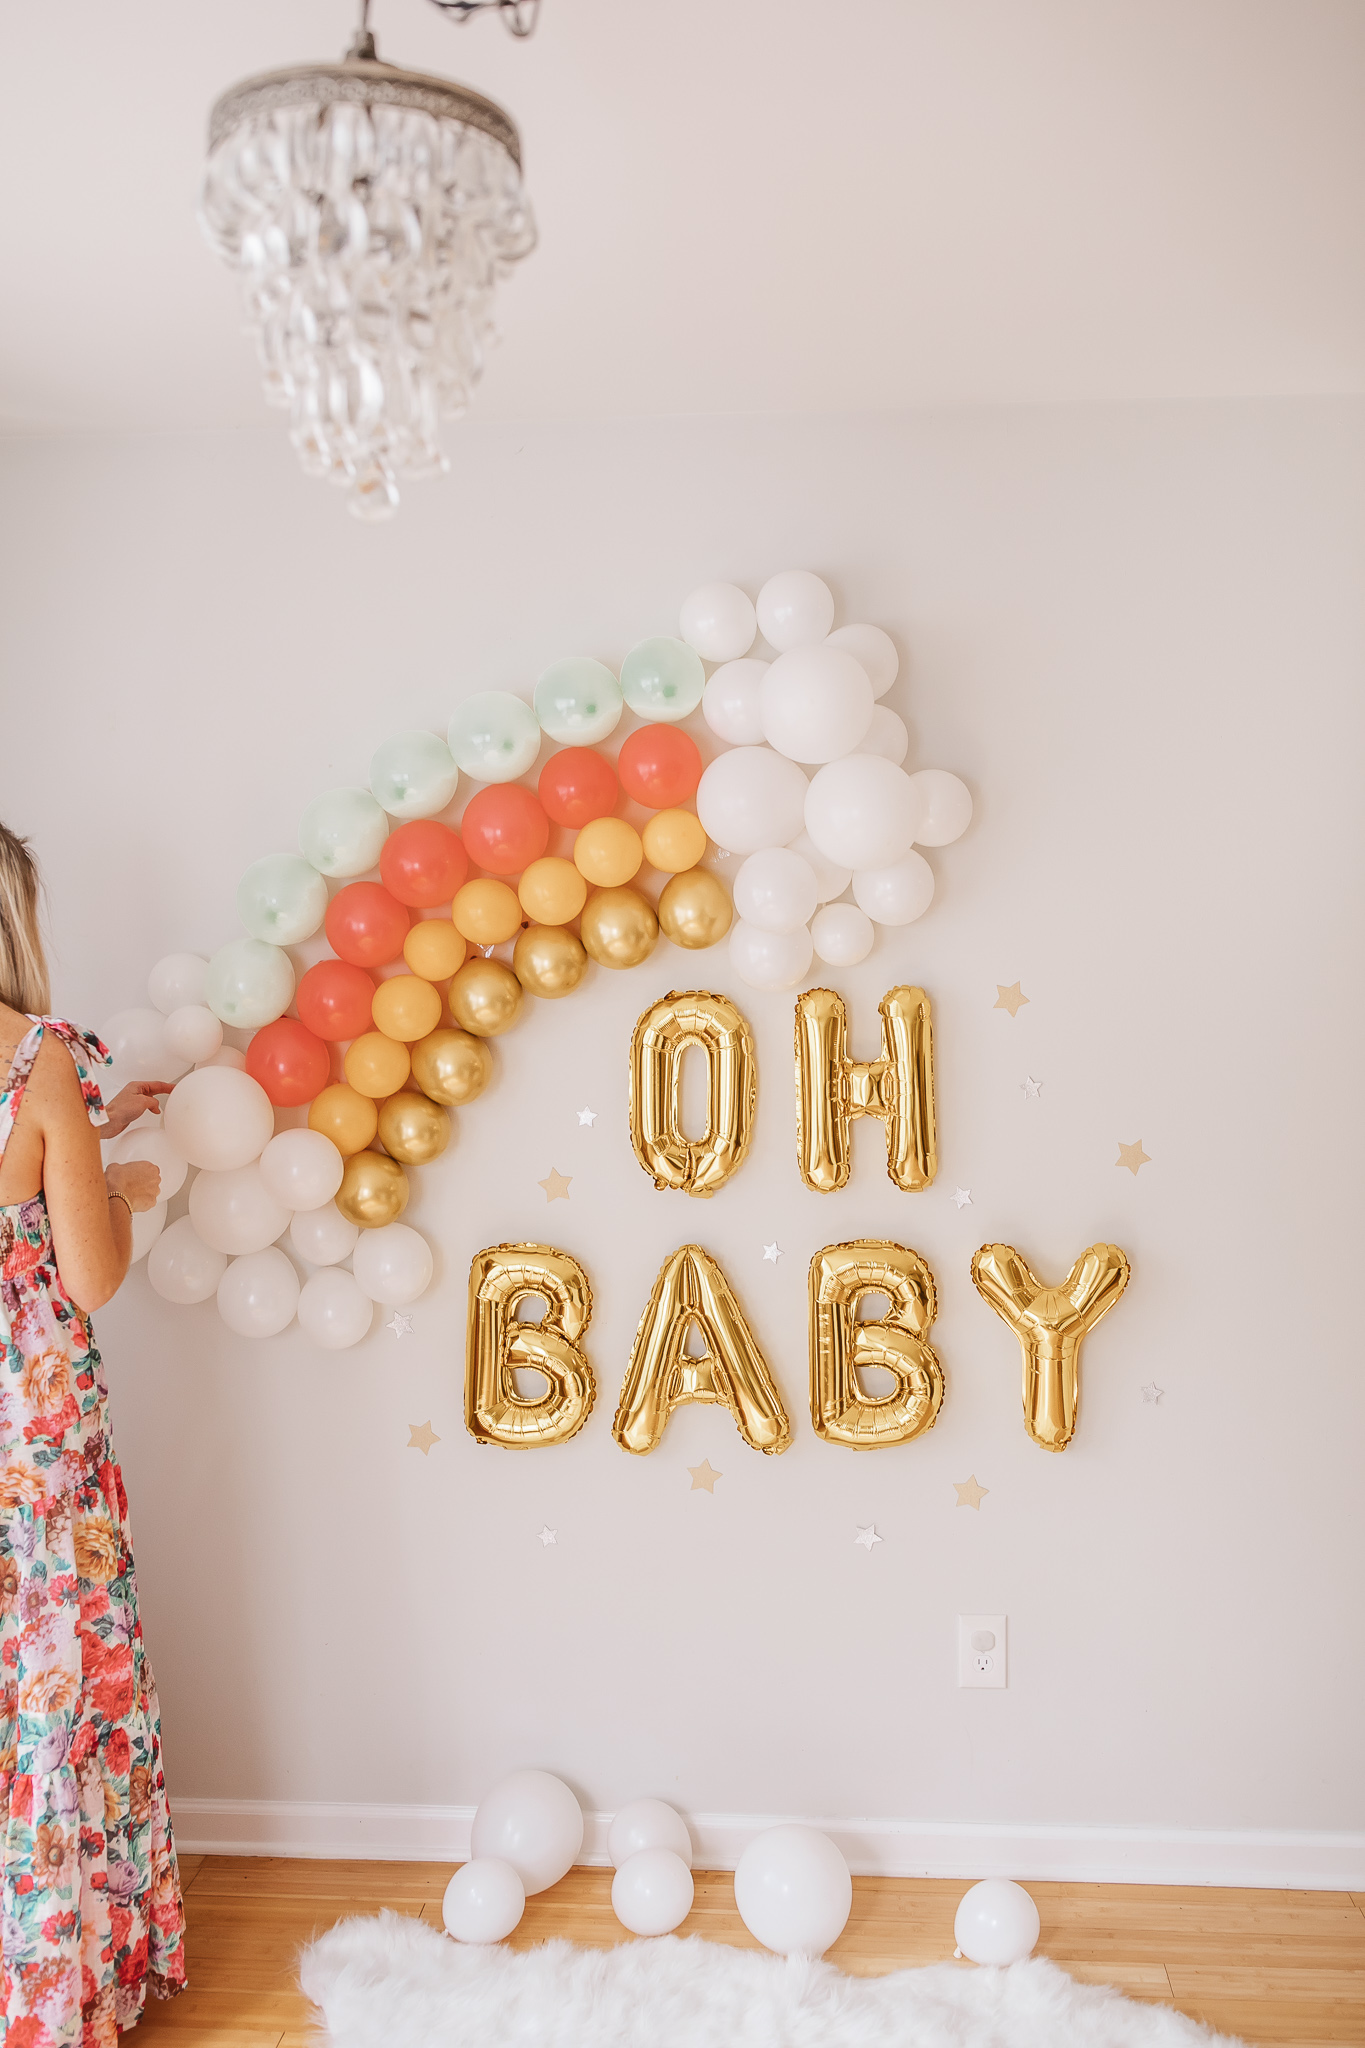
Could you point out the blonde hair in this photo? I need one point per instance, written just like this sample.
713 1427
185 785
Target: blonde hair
23 965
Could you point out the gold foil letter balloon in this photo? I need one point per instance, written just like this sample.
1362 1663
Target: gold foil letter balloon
840 1345
832 1089
661 1038
692 1290
498 1345
1050 1323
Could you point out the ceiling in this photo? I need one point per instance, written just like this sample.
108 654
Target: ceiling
772 205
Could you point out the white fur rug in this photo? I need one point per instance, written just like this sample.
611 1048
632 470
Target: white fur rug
394 1982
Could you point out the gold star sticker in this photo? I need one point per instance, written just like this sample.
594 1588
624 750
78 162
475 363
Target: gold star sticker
556 1186
704 1477
1133 1157
969 1494
421 1437
1011 998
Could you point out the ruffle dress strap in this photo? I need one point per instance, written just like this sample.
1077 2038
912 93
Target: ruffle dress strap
88 1052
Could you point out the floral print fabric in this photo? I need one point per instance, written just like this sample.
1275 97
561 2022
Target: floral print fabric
91 1910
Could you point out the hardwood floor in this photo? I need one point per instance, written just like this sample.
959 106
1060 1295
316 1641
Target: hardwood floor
1273 1967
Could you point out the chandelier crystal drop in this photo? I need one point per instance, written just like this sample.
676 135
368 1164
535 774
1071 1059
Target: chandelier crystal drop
371 212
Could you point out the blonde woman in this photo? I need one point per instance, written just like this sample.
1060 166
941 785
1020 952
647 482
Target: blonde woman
91 1911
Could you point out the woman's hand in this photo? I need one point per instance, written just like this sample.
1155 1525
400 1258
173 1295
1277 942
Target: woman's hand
137 1180
128 1105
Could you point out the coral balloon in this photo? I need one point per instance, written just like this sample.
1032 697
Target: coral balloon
451 1066
608 852
434 949
423 864
504 828
486 913
552 891
335 1000
576 786
695 909
485 998
548 961
289 1061
413 1128
406 1008
674 841
365 925
377 1066
347 1117
659 766
618 928
373 1191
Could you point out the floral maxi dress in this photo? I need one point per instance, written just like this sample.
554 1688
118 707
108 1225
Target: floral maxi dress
91 1904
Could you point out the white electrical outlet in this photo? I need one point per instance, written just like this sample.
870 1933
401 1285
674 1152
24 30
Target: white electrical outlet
981 1650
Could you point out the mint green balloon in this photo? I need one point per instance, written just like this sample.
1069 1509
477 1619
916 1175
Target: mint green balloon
663 679
578 701
249 983
413 775
342 833
494 736
281 899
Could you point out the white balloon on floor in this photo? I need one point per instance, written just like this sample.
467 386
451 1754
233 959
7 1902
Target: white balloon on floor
393 1264
751 798
873 650
769 960
146 1140
793 1890
148 1225
181 1267
795 609
776 890
648 1824
484 1901
302 1169
532 1821
323 1236
219 1118
177 979
842 935
333 1310
652 1892
235 1212
258 1294
816 704
862 812
898 894
945 806
719 620
731 705
194 1032
997 1922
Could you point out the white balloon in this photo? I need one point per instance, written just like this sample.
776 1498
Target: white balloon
258 1295
342 832
997 1922
181 1267
862 811
234 1212
148 1225
393 1264
816 704
652 1892
830 879
719 620
793 1890
226 1056
323 1236
193 1032
776 890
137 1043
751 798
769 959
532 1821
494 736
250 983
887 735
484 1901
648 1824
218 1118
795 609
897 894
874 651
730 702
333 1310
146 1140
842 934
945 806
302 1169
175 980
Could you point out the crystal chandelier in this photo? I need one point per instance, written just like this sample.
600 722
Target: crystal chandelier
370 212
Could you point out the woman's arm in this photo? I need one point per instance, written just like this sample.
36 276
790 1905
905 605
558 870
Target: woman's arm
92 1230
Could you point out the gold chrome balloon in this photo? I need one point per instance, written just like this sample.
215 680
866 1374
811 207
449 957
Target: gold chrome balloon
618 927
1050 1323
695 909
451 1066
832 1089
412 1128
841 1345
497 1345
373 1191
696 1165
548 960
692 1290
485 998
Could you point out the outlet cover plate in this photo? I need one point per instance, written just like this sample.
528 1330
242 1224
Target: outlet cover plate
982 1650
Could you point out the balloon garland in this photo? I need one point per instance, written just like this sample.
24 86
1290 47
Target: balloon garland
809 792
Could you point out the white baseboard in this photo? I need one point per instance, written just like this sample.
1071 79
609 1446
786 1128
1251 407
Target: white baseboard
1277 1859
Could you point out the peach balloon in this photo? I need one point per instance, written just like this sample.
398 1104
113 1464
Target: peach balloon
406 1007
486 913
434 949
377 1066
608 852
552 891
674 841
345 1116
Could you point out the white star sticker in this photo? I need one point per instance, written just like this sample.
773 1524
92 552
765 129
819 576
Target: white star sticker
867 1537
587 1116
400 1324
549 1536
963 1197
772 1252
1152 1392
1032 1089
